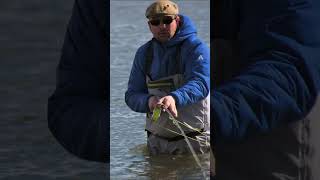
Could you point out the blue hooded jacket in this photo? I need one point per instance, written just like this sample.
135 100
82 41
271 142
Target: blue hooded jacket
265 83
195 62
277 67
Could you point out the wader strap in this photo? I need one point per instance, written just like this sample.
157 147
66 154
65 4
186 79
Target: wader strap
178 59
149 58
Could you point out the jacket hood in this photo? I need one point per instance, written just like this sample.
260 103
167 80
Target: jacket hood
186 29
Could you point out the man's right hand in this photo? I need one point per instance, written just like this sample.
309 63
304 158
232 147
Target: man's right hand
153 101
169 103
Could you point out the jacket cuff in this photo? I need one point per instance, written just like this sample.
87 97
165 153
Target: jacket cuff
176 98
147 102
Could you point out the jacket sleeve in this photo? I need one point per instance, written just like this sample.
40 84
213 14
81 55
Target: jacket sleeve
197 76
78 109
137 96
280 45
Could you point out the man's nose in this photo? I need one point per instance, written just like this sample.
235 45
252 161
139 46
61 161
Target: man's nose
162 25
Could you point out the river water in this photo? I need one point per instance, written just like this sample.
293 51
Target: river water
129 156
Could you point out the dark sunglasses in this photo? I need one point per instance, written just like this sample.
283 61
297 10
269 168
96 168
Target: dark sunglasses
165 20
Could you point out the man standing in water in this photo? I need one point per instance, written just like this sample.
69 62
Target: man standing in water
171 71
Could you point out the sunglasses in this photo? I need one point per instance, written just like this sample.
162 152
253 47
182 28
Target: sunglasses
165 20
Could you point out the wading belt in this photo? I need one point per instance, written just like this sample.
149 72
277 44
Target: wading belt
177 138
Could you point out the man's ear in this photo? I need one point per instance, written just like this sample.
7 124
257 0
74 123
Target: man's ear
149 25
178 20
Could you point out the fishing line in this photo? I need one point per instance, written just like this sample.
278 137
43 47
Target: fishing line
156 114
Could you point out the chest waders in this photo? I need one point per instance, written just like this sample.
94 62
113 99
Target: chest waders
163 139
